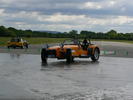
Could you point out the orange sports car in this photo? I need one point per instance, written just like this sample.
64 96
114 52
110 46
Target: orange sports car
70 49
17 42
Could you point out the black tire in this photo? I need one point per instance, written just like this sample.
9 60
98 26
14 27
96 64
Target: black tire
14 47
27 46
96 55
21 47
44 55
8 47
69 57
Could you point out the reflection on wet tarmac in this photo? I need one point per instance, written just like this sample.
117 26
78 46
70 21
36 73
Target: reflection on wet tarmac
13 55
67 66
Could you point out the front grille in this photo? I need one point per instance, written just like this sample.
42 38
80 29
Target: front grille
62 54
51 52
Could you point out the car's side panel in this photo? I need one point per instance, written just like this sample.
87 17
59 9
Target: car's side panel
15 44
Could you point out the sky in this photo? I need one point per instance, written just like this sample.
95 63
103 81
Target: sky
66 15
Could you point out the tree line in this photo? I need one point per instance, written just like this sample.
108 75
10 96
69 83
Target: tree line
111 35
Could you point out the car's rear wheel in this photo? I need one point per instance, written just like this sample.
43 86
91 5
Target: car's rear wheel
21 47
69 57
44 55
14 47
27 46
96 54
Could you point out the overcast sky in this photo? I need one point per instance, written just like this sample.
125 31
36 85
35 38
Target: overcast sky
66 15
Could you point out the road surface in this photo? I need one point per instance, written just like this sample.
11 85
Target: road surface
23 76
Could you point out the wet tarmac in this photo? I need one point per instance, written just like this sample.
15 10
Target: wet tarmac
25 77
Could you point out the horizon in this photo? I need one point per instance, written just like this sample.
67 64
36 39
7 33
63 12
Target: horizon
65 31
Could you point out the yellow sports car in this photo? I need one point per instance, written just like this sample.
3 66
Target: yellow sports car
70 49
17 42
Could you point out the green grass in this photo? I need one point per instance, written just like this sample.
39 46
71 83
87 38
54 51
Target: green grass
3 40
44 40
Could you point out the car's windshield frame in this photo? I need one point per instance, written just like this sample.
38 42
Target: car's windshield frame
16 40
72 42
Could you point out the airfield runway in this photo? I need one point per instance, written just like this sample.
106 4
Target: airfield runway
24 77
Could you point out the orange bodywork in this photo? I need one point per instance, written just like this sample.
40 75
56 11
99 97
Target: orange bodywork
15 43
77 50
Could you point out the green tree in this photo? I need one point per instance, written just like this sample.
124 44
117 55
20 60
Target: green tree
4 31
73 34
87 34
28 33
112 34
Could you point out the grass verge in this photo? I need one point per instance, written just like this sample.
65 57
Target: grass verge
3 40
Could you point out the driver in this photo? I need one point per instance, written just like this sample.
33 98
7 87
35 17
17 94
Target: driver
85 44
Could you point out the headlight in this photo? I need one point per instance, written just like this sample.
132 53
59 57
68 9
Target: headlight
73 51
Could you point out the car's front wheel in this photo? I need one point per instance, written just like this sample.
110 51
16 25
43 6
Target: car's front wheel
96 55
27 46
69 57
8 47
44 55
14 47
21 47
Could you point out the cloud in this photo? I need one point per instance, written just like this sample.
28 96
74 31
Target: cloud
91 5
65 15
1 11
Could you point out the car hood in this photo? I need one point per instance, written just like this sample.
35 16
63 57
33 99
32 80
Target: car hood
65 47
